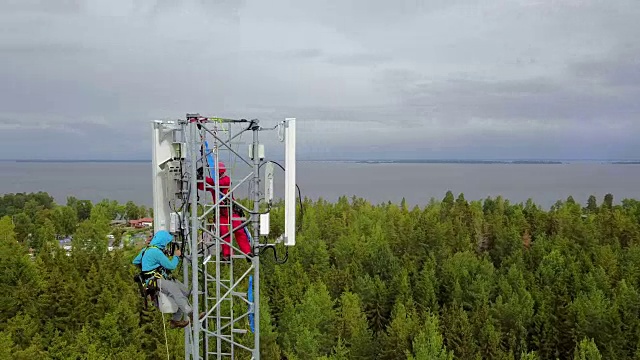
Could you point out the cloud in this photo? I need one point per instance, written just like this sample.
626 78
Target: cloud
543 100
365 78
619 73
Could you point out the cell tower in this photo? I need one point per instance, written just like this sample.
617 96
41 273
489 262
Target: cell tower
191 202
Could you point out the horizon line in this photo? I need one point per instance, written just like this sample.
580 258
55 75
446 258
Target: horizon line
342 160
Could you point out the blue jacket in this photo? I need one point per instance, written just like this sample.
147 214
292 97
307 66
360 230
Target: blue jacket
153 256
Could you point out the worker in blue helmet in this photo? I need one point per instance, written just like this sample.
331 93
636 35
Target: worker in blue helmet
156 267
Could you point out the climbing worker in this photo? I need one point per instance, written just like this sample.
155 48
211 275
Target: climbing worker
155 265
240 233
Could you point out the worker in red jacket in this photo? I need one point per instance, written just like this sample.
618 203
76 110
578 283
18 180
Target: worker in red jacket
240 234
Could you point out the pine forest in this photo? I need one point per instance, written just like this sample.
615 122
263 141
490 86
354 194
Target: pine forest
453 279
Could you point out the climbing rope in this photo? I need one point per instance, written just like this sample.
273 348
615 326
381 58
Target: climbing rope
165 335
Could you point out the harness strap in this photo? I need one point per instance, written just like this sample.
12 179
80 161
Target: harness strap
157 273
148 280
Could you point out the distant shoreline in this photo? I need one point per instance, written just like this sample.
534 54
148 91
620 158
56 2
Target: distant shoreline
460 162
77 161
397 161
488 162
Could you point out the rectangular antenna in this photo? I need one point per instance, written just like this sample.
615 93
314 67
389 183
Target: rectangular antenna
264 224
268 183
161 154
162 144
268 197
166 154
290 182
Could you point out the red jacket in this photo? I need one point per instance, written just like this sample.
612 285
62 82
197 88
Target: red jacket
225 186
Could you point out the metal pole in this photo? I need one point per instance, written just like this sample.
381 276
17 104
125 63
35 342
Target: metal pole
195 324
232 320
256 240
215 174
185 264
205 267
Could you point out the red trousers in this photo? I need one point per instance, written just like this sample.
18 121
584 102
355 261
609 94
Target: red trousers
240 235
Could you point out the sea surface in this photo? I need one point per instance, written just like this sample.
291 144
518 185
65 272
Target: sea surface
376 182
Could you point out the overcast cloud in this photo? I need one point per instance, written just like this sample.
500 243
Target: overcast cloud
365 78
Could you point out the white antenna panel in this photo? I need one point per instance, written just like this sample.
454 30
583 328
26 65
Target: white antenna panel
268 183
264 224
163 188
290 182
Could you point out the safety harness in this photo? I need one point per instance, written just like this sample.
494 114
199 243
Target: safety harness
148 280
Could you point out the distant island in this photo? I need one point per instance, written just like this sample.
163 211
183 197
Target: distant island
79 161
453 161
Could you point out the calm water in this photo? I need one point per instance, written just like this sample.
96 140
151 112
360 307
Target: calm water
376 182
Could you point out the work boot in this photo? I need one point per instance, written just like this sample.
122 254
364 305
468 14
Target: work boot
200 316
178 324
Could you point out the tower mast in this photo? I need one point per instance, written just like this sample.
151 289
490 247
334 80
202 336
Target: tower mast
186 153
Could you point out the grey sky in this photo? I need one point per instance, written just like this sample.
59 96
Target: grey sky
365 78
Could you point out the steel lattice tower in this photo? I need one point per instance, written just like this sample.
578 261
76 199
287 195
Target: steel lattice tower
227 290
